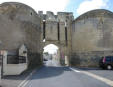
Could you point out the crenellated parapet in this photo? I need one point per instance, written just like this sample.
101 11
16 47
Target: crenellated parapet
60 17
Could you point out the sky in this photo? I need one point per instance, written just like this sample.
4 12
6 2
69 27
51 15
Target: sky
78 7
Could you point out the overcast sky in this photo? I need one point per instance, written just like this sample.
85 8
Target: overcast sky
78 7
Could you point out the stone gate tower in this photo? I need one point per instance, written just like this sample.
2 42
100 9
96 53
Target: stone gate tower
56 29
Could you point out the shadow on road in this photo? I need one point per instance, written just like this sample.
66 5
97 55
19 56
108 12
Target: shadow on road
43 72
49 71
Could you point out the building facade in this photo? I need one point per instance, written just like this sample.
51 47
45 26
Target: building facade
92 37
81 41
20 24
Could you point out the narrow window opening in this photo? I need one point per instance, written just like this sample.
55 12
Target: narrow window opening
44 25
31 13
66 35
58 27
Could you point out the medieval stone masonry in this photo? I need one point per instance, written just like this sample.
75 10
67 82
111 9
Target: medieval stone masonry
83 41
19 24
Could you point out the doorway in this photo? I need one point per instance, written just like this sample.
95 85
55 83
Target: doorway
51 55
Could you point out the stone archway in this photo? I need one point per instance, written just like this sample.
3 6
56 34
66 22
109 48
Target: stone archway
63 56
51 55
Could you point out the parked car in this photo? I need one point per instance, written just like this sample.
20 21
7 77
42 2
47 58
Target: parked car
106 62
44 61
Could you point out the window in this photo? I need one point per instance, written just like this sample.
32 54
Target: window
31 13
44 26
58 27
22 59
108 58
66 34
112 59
12 59
15 59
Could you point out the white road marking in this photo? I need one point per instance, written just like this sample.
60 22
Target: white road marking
74 70
105 80
23 83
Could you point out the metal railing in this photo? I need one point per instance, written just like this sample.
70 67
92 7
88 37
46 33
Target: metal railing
15 59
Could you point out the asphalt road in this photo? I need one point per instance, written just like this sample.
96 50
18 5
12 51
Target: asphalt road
54 76
103 73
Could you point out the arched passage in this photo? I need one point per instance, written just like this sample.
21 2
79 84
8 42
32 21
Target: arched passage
51 55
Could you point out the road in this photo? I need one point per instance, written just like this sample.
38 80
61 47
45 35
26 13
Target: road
57 76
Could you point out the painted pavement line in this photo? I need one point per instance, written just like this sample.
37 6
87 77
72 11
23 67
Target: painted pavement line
105 80
74 69
23 83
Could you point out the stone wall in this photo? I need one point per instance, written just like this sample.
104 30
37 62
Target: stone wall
88 59
92 32
20 24
83 40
